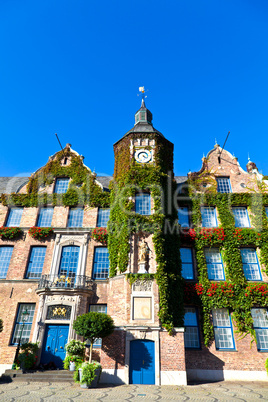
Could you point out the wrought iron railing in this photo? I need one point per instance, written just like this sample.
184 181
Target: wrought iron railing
65 282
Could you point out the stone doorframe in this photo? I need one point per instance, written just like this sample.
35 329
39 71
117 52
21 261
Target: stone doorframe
142 333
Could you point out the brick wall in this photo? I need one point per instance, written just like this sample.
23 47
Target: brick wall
172 356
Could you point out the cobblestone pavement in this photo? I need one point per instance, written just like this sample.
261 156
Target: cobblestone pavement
221 391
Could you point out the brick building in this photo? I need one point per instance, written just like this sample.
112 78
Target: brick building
187 299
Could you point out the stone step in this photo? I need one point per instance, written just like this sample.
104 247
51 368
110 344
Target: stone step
41 376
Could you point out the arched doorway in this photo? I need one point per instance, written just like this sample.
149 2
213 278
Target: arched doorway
142 362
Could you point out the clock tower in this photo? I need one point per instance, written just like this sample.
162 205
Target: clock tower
143 145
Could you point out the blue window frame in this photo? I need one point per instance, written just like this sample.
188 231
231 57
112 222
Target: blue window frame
45 217
101 263
75 219
5 256
251 266
14 217
214 264
223 185
187 263
191 333
61 185
183 216
98 308
241 217
209 219
68 265
143 204
103 217
266 211
36 262
223 330
260 322
19 324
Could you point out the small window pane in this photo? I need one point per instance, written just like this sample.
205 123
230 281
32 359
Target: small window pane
103 217
266 211
250 264
101 263
143 204
191 334
75 219
45 217
183 216
224 185
61 185
14 217
36 262
187 263
214 264
241 217
19 324
208 217
5 256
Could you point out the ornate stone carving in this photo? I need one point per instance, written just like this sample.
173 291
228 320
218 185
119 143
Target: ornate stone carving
57 298
142 286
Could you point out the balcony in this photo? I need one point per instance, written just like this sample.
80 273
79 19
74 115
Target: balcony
64 282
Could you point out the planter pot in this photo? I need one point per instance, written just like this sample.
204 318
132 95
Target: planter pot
94 383
72 366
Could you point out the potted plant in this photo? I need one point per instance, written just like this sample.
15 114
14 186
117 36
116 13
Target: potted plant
75 354
92 326
27 358
88 374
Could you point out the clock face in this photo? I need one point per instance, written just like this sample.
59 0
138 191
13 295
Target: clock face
143 155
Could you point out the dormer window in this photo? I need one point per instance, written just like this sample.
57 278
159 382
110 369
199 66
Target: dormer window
61 185
223 185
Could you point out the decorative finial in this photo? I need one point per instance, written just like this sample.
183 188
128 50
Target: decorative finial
216 141
248 157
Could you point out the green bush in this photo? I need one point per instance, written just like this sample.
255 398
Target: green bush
28 357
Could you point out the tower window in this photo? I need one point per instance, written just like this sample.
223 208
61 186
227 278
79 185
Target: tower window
143 204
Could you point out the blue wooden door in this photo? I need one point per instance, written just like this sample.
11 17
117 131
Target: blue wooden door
142 362
56 337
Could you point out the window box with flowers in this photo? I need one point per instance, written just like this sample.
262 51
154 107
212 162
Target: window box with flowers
100 235
10 233
40 233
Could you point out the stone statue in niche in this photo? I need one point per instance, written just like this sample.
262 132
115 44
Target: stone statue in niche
143 260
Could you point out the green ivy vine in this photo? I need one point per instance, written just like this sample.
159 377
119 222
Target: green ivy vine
236 293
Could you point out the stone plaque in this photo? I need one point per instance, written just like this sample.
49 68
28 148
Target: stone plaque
142 308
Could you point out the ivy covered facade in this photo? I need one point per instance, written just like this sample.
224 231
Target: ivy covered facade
180 263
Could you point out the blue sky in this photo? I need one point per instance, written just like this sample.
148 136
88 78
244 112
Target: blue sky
73 67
